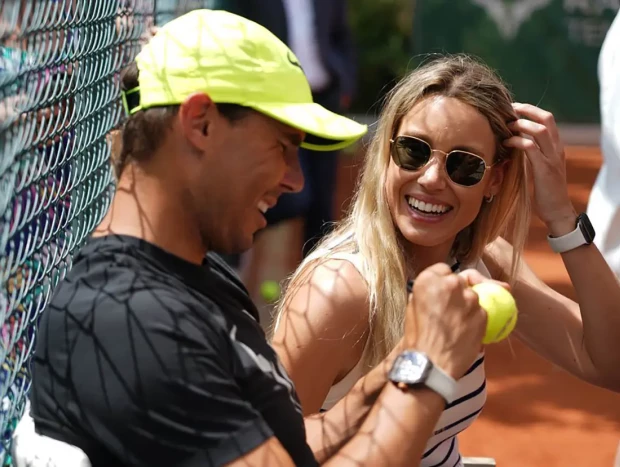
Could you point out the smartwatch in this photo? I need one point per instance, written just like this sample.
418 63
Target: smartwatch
582 235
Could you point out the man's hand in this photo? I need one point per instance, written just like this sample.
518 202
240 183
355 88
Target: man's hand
444 318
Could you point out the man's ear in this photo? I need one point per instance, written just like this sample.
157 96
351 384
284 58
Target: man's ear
196 115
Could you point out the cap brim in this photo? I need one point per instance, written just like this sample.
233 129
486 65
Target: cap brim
325 130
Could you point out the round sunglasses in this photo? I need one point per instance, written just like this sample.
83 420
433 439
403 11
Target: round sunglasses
463 168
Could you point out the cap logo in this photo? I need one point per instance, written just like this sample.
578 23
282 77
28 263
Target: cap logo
293 60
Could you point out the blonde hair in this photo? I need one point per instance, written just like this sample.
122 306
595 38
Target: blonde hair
368 227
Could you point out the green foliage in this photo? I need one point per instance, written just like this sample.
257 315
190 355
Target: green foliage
550 60
382 31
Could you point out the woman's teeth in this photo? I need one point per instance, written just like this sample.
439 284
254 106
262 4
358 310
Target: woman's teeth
428 208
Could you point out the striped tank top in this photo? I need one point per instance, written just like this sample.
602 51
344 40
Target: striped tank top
442 449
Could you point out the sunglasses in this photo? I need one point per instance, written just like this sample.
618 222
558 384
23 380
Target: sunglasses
463 168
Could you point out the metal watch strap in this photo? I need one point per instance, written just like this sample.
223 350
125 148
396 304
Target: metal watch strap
443 384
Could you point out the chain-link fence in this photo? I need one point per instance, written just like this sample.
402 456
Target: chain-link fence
165 10
60 63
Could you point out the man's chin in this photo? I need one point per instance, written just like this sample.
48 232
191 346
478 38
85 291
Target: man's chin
241 245
237 241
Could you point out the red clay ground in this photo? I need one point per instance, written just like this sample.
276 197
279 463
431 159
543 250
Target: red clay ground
536 414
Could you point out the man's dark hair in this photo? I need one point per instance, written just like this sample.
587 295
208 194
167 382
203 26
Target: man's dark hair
143 132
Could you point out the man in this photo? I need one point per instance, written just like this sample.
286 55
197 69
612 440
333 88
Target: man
150 352
604 203
318 33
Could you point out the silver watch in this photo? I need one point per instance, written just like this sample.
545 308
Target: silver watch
413 368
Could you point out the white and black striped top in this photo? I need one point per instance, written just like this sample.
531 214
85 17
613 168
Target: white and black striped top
442 449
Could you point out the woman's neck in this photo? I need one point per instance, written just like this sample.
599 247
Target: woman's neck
418 257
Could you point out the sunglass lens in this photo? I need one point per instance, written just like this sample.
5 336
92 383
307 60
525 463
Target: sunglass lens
410 153
465 169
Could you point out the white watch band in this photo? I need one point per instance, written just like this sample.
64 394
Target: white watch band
567 242
442 383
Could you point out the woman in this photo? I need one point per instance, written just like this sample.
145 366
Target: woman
446 180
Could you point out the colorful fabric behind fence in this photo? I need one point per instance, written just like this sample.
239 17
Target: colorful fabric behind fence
60 63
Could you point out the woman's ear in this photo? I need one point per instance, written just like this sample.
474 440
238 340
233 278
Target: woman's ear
498 172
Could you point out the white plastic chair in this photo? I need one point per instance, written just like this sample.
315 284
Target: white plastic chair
33 450
479 462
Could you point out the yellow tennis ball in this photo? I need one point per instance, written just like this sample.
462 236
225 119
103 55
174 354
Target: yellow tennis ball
501 309
270 291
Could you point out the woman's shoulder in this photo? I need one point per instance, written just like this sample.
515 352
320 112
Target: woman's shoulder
337 278
325 312
336 259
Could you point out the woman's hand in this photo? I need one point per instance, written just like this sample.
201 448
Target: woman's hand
536 133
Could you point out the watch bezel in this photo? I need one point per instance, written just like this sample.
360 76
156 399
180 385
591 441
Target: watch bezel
587 230
395 374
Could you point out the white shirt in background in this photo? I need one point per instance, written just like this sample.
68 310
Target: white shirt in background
301 17
604 203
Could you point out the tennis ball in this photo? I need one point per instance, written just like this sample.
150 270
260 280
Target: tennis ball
270 291
501 309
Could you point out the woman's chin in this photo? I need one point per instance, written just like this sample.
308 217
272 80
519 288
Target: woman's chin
423 234
422 238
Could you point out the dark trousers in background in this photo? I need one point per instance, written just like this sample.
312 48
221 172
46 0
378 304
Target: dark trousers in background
315 203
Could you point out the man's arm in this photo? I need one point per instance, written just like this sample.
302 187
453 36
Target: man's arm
395 434
320 335
329 431
270 453
445 321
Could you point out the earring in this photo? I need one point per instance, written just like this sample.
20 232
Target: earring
489 199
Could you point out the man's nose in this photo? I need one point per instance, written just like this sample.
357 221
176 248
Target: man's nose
293 180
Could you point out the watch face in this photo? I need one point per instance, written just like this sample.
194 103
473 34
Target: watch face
411 368
586 227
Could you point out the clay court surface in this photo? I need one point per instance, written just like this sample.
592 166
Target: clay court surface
536 414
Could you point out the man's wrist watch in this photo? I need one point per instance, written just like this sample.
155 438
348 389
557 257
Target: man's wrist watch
582 235
413 369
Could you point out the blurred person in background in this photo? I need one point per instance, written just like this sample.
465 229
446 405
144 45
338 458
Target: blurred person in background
604 202
319 34
445 179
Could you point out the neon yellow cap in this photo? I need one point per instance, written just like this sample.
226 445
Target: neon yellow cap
237 61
